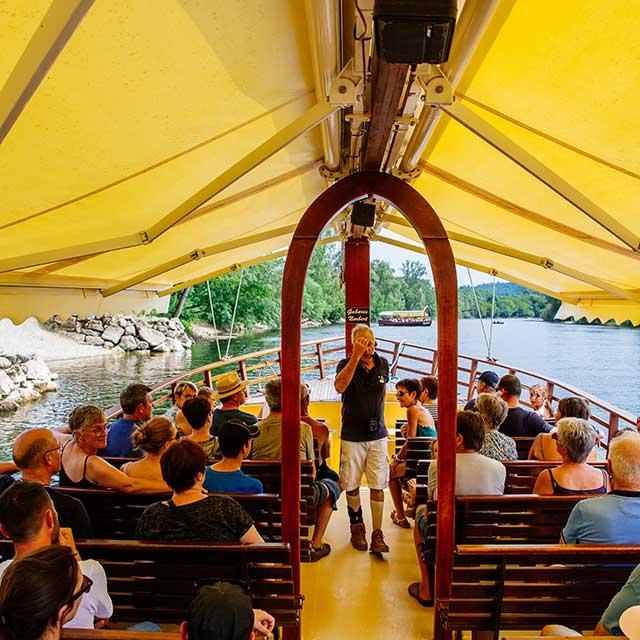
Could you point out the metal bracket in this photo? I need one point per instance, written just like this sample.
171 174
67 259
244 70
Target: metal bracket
408 176
437 89
144 237
348 88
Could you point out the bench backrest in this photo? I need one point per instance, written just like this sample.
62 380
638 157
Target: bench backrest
155 580
118 634
504 520
527 586
523 446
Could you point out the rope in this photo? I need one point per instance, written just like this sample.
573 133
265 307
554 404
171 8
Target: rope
475 297
213 320
233 317
493 315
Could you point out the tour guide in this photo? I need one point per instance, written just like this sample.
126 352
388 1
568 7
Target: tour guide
362 381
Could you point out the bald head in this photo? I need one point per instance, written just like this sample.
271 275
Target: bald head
30 447
624 456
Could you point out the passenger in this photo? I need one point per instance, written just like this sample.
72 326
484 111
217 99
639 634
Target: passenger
429 396
614 518
611 623
493 411
182 392
137 408
486 382
362 380
267 446
40 593
231 391
419 424
153 438
576 440
79 459
519 421
29 519
208 394
540 402
197 413
226 476
475 475
545 447
36 453
191 515
224 611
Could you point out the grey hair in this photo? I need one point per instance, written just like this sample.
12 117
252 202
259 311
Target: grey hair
182 385
577 437
84 416
273 393
624 454
492 410
358 329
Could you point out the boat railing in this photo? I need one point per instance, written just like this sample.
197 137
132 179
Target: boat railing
319 358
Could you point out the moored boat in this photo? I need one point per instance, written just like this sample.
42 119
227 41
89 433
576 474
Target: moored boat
404 318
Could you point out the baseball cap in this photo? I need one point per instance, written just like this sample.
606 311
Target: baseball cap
221 610
234 432
489 377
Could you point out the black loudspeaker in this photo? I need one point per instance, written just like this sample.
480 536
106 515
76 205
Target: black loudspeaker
414 31
363 214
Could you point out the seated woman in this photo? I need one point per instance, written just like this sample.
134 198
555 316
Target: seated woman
419 424
540 402
575 439
80 466
154 438
183 391
429 395
493 411
41 592
199 416
191 515
544 447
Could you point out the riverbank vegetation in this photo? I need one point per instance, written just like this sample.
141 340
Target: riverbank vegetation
257 290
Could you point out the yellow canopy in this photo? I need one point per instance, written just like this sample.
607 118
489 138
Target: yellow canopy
147 105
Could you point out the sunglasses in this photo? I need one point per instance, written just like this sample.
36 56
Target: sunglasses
85 587
399 394
205 582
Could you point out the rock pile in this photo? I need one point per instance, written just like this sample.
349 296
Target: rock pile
125 333
23 378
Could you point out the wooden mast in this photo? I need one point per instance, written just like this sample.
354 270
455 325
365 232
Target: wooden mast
357 284
430 230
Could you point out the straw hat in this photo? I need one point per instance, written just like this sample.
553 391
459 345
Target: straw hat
630 623
228 384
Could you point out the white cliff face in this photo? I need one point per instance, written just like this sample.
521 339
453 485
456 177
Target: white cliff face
23 378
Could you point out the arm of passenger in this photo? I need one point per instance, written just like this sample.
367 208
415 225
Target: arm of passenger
627 597
535 448
345 375
543 486
412 421
251 537
106 475
571 529
61 436
8 467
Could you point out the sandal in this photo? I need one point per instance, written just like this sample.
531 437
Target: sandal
414 592
401 522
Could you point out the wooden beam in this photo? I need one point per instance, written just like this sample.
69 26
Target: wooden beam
505 145
527 214
50 37
388 82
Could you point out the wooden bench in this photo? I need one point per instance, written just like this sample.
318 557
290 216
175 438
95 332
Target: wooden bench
521 475
155 580
115 634
525 587
503 520
523 446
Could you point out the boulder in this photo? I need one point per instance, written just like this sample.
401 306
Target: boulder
113 333
5 363
78 337
143 346
92 332
14 396
69 324
18 376
28 393
37 370
117 349
153 337
8 406
6 384
95 340
162 347
52 386
174 345
95 325
129 329
108 345
122 322
128 343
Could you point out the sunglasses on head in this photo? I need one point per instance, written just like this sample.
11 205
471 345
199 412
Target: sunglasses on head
85 587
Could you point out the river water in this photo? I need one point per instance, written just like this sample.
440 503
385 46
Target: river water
604 361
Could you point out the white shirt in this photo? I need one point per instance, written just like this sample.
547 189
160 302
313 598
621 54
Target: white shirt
95 604
475 475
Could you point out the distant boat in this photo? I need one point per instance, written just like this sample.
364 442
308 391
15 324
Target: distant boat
498 322
404 318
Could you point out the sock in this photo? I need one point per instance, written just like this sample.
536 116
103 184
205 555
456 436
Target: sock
377 507
354 509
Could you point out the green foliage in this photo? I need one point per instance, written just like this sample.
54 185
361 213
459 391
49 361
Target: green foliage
512 301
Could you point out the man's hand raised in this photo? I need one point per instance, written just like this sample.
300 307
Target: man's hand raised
359 348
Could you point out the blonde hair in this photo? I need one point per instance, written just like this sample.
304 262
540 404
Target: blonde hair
541 390
358 329
577 437
153 435
492 410
85 415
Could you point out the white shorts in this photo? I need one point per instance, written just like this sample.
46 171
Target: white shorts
358 458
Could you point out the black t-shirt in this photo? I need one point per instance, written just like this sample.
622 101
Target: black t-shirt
522 422
363 402
222 416
72 514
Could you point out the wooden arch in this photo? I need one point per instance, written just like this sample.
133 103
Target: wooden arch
429 228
